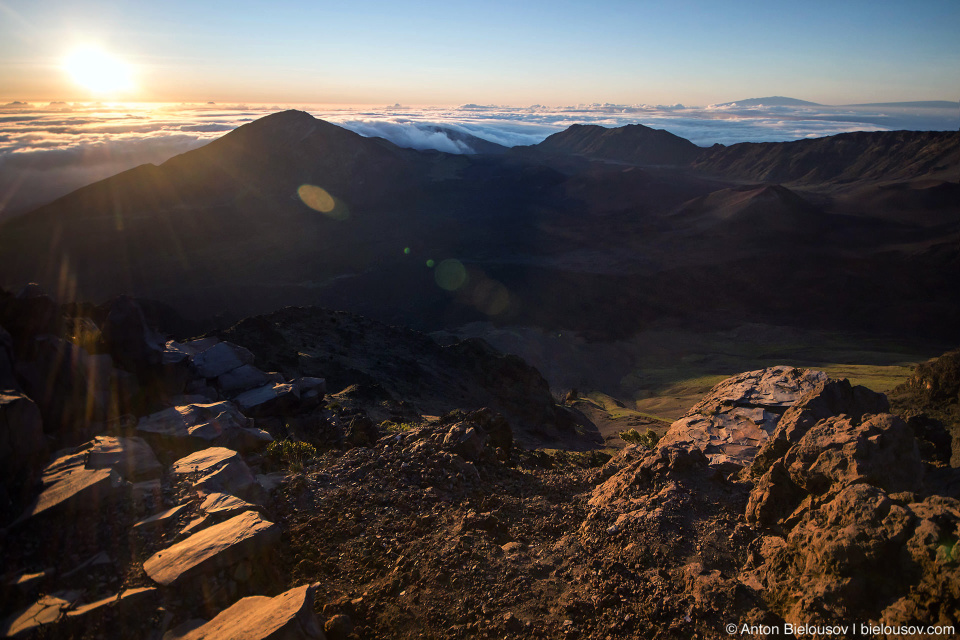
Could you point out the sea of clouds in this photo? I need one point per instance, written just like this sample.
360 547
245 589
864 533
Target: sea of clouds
48 150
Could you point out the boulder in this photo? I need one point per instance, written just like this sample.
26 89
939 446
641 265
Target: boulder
46 611
245 377
23 448
162 519
71 387
270 399
127 601
224 504
193 426
218 470
246 536
310 390
288 615
465 440
835 453
220 358
129 339
176 352
739 415
8 374
828 398
132 458
69 488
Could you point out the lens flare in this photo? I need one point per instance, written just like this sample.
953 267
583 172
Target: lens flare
450 274
319 199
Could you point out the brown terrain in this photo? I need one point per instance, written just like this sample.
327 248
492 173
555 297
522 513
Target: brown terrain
164 489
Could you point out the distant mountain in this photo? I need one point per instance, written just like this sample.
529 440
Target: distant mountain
922 104
847 157
543 236
772 101
633 143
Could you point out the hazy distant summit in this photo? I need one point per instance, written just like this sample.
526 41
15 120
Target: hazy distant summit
771 101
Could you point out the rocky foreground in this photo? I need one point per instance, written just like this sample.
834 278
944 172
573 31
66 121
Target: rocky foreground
163 489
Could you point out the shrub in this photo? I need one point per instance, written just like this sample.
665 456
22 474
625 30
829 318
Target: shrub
291 453
648 439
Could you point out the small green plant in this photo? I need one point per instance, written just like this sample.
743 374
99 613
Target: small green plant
389 426
291 453
648 439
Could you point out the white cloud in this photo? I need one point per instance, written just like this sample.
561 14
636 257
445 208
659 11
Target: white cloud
48 150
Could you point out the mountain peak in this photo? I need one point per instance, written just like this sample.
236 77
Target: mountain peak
632 143
770 101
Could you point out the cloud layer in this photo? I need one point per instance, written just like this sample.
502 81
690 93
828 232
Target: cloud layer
49 150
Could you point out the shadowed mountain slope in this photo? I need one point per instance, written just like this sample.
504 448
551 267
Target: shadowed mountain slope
290 210
844 158
633 143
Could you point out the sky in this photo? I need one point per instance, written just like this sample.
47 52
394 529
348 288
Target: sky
89 88
517 52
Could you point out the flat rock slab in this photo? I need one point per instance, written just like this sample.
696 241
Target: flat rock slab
217 470
245 377
222 504
160 520
77 490
221 358
202 425
738 416
128 599
220 546
46 610
267 399
289 615
132 458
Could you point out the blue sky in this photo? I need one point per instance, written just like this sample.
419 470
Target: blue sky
517 53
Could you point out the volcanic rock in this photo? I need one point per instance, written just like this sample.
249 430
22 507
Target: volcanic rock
288 615
132 458
218 470
739 414
218 547
196 426
826 399
220 358
70 489
47 610
22 445
127 337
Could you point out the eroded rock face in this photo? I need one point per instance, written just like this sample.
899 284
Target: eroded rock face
740 414
837 452
218 547
827 399
848 536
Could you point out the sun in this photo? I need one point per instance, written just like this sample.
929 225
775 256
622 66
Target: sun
98 71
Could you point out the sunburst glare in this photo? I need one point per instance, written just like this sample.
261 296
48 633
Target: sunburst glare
98 71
